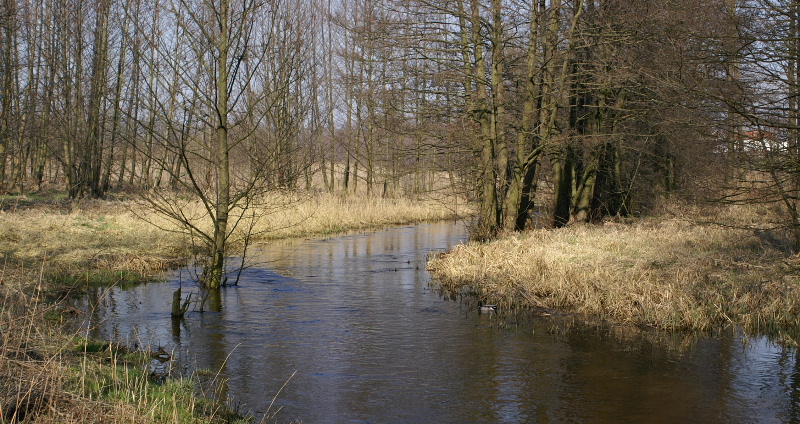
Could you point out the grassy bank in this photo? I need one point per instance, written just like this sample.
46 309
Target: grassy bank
52 248
51 374
674 273
86 242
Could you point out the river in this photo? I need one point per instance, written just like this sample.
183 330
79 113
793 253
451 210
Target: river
366 338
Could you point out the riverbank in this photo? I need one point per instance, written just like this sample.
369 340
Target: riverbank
70 245
52 248
680 272
51 373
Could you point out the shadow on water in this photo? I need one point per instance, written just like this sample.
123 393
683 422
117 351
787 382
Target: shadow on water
371 340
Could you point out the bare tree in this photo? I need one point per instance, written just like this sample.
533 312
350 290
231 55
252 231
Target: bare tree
756 75
194 69
8 42
228 114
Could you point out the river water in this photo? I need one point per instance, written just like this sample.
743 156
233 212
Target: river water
355 320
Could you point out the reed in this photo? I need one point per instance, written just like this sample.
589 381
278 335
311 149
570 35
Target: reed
52 373
84 243
324 214
670 273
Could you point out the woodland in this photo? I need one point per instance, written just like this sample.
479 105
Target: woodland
634 162
543 113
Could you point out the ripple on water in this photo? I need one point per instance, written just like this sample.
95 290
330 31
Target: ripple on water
371 344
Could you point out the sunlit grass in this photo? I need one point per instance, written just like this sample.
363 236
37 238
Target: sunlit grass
325 214
51 374
104 242
671 273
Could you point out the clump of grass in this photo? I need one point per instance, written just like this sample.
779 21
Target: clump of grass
88 243
281 215
325 214
51 374
667 273
85 243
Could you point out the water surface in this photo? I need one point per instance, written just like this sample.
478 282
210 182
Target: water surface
369 341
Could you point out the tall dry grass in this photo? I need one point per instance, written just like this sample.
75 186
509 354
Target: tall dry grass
48 249
324 214
126 240
669 273
88 235
51 373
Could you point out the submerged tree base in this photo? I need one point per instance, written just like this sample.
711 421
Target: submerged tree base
53 248
667 273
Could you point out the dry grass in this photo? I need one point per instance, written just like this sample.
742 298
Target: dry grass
304 214
325 214
124 240
49 373
668 273
84 235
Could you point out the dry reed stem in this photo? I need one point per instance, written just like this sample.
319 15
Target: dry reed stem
48 374
126 236
42 377
665 273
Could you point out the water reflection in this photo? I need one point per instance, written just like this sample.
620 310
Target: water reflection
371 342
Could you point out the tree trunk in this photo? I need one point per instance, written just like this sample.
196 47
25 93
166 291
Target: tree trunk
522 187
223 201
9 22
564 169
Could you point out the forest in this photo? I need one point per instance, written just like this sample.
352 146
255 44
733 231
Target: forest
549 112
655 144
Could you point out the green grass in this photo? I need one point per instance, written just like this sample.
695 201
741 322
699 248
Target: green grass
53 376
76 283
